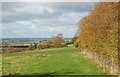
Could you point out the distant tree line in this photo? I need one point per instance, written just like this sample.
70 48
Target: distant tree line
54 42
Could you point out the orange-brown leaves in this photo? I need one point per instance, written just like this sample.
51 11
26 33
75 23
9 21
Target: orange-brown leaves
99 30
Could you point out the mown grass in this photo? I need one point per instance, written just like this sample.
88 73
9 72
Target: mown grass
56 61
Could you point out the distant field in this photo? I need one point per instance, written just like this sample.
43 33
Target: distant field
56 61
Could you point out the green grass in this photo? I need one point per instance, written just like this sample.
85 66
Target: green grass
56 61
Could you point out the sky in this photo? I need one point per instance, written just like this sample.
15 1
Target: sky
42 19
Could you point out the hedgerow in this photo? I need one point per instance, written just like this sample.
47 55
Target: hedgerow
99 30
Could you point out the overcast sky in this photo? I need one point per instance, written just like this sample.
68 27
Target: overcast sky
42 20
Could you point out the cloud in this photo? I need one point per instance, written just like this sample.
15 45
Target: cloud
42 19
14 11
60 1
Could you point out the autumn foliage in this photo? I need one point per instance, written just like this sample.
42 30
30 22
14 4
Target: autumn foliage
57 41
54 42
99 30
31 47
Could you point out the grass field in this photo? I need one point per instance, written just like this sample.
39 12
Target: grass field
56 61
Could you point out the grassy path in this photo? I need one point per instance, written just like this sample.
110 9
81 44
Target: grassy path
57 61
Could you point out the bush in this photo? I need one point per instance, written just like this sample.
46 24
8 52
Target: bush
44 46
18 50
39 46
31 47
47 45
75 44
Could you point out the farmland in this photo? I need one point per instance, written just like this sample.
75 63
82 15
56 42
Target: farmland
54 61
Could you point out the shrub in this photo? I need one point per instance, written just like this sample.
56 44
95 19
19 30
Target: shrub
52 45
31 47
39 46
75 44
46 46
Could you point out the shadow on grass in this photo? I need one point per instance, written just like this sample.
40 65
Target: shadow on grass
51 75
47 75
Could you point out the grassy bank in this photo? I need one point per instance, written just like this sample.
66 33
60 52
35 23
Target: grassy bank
56 61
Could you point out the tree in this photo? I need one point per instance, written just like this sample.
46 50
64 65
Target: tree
57 41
